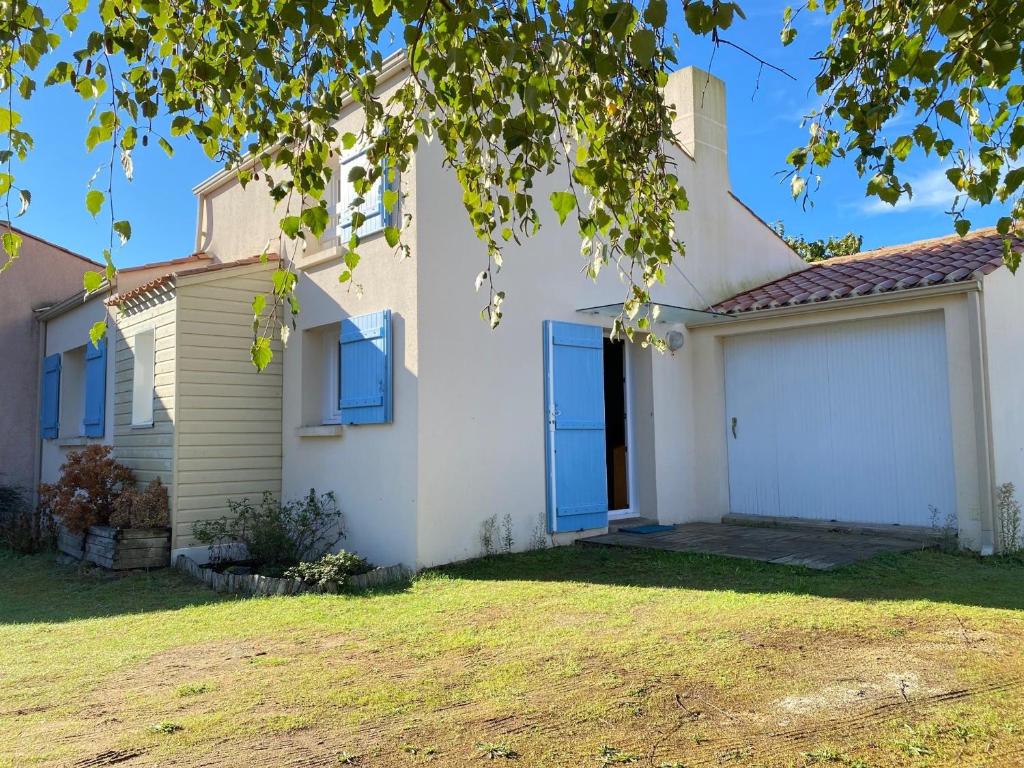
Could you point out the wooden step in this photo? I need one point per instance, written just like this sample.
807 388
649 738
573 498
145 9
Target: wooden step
905 532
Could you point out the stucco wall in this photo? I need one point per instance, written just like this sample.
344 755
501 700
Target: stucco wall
228 425
65 332
708 469
467 440
1003 302
372 468
481 433
40 277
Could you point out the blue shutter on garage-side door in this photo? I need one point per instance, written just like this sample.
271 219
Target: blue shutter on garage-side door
95 389
577 485
365 362
49 397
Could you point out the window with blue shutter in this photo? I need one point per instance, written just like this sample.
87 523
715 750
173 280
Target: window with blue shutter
49 401
94 415
372 205
365 356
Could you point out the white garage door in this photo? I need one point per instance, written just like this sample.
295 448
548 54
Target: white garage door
846 422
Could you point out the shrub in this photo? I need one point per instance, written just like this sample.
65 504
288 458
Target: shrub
276 535
89 485
148 508
329 569
22 527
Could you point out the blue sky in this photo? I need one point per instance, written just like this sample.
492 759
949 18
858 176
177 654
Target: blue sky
764 125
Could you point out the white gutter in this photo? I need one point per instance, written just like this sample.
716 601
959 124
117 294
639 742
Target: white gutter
940 289
390 68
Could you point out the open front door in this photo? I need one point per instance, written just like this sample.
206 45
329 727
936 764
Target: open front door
577 484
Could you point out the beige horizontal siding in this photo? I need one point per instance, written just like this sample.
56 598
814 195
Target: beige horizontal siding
148 451
228 414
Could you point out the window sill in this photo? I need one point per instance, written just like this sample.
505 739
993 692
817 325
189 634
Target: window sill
74 442
147 425
319 430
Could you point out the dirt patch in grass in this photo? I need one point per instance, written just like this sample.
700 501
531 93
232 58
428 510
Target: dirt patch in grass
587 675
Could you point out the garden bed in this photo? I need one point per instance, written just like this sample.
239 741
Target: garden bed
118 549
252 584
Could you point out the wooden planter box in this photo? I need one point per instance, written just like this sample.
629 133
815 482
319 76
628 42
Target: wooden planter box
118 549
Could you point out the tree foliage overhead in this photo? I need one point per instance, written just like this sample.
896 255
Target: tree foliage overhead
955 67
512 90
822 248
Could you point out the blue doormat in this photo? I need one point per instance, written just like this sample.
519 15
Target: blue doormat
653 528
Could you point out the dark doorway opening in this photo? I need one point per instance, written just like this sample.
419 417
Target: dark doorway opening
615 425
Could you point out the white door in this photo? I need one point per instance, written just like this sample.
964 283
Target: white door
846 422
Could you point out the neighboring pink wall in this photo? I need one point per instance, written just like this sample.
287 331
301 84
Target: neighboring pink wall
42 275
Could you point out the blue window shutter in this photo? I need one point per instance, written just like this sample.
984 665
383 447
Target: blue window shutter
577 485
94 417
366 369
385 213
49 400
372 206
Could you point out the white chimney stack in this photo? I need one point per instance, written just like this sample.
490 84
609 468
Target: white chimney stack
700 127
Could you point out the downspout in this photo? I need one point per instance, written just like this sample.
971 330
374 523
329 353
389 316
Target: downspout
983 418
199 223
38 442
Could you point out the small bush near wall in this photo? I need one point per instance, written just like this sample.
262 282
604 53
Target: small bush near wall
22 527
102 517
332 569
276 535
148 508
90 483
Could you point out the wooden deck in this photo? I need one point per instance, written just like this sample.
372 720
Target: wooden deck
810 548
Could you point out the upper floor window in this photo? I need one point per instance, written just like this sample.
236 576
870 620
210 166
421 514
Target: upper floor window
372 205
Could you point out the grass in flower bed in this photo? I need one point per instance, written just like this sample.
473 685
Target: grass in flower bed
567 657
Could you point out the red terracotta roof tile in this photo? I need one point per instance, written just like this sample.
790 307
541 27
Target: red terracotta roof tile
950 259
120 298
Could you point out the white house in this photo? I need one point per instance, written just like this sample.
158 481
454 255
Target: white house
874 404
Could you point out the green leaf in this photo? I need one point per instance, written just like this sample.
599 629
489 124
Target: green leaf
261 353
901 147
290 225
94 201
6 181
259 303
563 204
8 120
391 235
123 230
12 246
348 140
166 147
947 109
390 199
963 226
97 332
316 219
110 270
643 44
656 13
92 281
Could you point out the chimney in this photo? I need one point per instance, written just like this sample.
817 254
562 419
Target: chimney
699 125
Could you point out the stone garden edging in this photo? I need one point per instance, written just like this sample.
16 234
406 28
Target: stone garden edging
254 585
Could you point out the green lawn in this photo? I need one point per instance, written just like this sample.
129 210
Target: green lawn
569 657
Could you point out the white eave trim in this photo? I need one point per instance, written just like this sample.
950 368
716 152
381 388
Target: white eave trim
907 294
390 68
72 302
